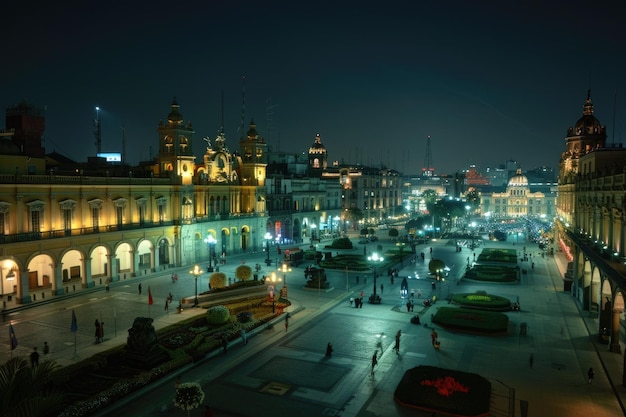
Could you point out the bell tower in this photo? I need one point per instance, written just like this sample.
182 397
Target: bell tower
253 157
175 146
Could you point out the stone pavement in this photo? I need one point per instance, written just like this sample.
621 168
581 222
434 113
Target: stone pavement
286 373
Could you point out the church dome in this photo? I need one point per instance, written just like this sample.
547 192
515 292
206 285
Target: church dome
175 117
588 124
518 180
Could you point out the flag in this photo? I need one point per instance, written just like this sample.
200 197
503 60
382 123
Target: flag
74 324
12 337
150 300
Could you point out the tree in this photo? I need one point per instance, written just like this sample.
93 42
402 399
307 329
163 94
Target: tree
243 272
26 391
429 197
218 280
188 396
354 215
393 233
436 265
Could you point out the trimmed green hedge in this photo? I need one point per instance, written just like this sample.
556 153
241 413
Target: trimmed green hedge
482 301
482 321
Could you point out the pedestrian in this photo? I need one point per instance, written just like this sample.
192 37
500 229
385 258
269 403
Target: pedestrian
361 302
46 349
97 332
591 373
382 287
408 306
397 345
329 350
433 336
106 285
374 361
244 336
419 293
34 358
139 288
173 281
351 301
287 316
224 345
167 305
100 331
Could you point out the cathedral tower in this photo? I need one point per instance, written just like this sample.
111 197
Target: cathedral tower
175 146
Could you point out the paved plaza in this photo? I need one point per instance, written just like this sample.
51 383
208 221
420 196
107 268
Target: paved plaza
287 373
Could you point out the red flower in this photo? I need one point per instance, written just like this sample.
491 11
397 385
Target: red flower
446 386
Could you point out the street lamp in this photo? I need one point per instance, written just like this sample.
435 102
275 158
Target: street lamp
400 246
210 240
267 238
375 259
272 288
284 269
196 272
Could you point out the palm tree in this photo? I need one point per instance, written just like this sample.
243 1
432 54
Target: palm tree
27 391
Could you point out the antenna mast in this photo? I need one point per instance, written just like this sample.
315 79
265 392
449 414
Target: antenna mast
98 131
427 169
123 144
243 106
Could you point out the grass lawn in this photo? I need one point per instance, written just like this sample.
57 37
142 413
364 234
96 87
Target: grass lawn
478 321
436 389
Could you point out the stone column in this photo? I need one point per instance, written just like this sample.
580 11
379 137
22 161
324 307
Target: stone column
615 324
23 293
57 286
88 279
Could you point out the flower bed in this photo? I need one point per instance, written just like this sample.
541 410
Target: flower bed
184 342
436 389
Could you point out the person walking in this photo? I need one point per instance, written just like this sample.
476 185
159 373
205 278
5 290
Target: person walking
97 332
287 316
139 288
34 358
433 336
46 349
374 362
225 345
167 305
329 350
590 373
397 345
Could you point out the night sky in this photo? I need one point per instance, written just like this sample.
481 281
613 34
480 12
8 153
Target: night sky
488 81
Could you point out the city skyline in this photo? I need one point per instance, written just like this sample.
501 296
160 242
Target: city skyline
486 84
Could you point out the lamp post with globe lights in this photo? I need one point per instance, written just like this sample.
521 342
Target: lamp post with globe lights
272 288
375 260
268 238
196 272
284 269
210 241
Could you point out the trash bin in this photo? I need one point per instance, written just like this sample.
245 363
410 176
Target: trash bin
522 328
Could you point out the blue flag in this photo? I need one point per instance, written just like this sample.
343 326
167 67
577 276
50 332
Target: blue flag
74 324
12 337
